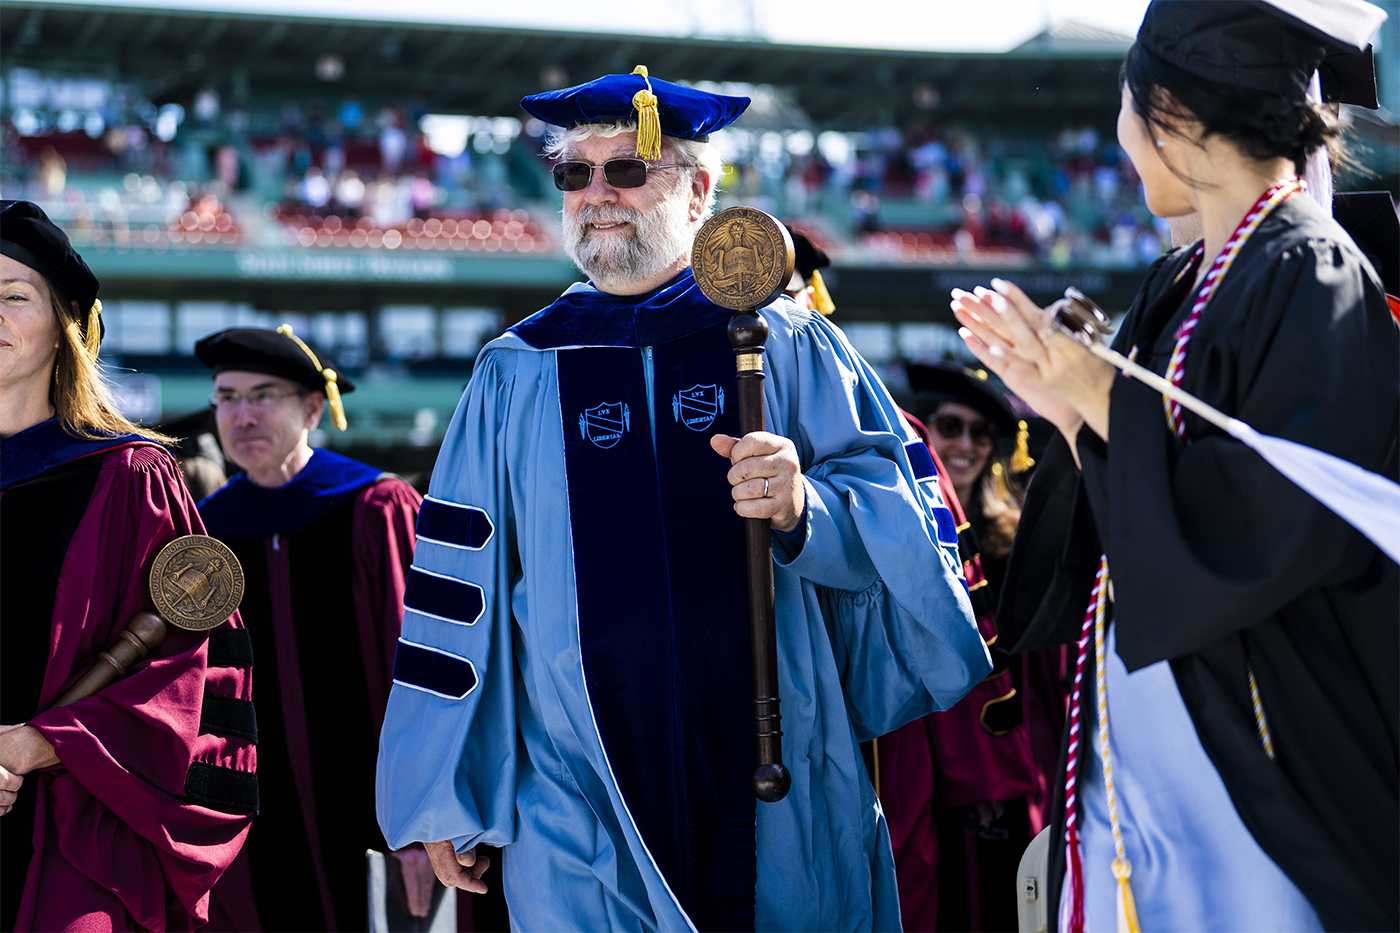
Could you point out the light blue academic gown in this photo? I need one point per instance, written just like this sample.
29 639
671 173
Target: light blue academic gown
493 733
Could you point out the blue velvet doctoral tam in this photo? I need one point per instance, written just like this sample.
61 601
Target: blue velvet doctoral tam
603 731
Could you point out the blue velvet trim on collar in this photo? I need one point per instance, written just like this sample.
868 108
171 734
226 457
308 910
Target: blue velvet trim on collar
242 509
38 449
586 317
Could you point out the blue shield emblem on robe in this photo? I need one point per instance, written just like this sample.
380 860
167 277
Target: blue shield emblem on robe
697 407
603 425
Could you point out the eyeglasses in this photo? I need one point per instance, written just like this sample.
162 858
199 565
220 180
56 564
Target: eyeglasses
951 427
620 173
261 400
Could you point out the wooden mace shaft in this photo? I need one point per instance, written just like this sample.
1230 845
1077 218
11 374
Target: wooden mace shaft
142 635
771 780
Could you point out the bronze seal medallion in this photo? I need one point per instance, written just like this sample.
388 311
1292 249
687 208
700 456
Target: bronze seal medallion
196 583
742 258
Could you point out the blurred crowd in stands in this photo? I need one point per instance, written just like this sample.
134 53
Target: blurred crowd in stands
957 196
132 174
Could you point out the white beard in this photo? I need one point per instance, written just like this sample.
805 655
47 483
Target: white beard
657 239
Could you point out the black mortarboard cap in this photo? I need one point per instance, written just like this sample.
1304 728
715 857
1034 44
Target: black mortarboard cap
28 236
953 382
1350 79
260 350
1268 45
1370 218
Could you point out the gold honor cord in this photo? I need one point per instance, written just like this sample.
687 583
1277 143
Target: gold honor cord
332 390
1266 737
1122 869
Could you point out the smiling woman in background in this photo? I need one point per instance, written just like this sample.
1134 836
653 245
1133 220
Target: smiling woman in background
966 416
121 810
1240 770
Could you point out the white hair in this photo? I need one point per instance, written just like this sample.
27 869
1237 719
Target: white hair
689 152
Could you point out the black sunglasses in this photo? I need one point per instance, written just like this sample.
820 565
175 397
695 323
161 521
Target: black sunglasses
620 173
951 427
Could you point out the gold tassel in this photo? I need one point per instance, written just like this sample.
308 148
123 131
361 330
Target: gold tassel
333 397
1127 909
92 340
1021 459
999 488
821 298
332 390
648 120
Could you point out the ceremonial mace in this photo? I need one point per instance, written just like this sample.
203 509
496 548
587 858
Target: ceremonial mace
742 260
196 583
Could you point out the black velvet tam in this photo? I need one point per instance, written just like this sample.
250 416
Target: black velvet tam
807 257
1268 45
28 236
950 382
259 350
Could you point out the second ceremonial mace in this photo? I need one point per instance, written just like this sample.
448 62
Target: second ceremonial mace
742 260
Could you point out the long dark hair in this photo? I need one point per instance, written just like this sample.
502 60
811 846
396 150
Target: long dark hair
1263 124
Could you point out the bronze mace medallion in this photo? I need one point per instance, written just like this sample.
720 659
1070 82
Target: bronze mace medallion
196 584
742 260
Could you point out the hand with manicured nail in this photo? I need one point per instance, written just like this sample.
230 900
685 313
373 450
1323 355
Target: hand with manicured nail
1016 339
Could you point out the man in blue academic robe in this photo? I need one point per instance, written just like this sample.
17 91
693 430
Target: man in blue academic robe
573 678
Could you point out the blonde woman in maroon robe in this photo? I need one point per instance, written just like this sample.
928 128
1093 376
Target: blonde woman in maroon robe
121 810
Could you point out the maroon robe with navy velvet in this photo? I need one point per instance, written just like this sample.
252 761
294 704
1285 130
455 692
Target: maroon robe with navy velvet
325 558
118 839
950 879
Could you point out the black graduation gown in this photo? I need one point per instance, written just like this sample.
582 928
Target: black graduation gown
333 583
1218 561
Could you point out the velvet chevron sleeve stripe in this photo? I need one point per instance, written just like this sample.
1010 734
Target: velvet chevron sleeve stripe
443 597
436 671
462 526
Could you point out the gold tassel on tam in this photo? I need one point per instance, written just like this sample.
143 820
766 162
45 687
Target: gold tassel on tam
648 120
1021 459
92 340
332 390
821 298
333 397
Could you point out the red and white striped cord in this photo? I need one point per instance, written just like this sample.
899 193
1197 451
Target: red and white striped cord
1176 367
1073 920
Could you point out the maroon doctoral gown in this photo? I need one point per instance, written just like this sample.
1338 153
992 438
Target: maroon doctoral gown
156 786
999 743
326 557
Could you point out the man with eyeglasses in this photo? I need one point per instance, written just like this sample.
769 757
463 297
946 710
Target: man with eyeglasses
573 682
325 542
